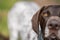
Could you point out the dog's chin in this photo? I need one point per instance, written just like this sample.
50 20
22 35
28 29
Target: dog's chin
51 38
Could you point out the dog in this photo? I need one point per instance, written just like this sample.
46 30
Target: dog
19 20
49 20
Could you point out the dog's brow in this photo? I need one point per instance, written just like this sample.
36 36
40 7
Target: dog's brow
46 12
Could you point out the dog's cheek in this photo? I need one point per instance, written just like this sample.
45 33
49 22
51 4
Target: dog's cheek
58 34
46 31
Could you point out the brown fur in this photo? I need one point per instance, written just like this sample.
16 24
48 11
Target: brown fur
39 20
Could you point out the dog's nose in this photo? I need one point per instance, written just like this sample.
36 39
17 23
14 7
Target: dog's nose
53 24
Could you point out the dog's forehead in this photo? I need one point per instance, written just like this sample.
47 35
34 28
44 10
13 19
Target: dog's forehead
53 9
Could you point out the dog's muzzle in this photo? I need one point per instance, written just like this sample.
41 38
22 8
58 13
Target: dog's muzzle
52 28
52 37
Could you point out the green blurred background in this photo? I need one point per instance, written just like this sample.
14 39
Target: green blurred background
5 6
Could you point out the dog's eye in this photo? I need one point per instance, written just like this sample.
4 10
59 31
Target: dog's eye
45 15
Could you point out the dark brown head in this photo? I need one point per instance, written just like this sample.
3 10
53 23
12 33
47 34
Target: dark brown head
49 19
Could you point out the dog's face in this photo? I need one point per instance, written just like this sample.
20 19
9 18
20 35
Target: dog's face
49 19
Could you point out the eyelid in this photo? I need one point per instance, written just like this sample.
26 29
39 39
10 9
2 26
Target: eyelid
46 14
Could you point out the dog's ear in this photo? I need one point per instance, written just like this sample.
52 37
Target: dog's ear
36 20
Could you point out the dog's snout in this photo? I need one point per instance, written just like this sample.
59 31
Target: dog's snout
53 23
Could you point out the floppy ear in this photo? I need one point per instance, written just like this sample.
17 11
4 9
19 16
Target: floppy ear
36 20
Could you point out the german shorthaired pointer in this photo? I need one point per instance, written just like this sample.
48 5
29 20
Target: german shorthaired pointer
19 21
49 19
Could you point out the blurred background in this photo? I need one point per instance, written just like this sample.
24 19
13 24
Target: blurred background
5 6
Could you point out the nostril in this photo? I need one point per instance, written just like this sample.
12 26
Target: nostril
56 25
50 24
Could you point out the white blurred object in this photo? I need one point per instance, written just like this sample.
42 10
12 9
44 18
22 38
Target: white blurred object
19 20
